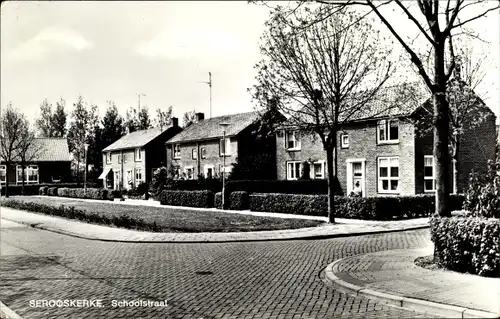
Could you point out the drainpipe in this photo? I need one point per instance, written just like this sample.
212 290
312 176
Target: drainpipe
198 156
121 173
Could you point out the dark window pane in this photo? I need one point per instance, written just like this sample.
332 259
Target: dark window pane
428 171
429 184
395 171
383 172
393 131
385 185
394 185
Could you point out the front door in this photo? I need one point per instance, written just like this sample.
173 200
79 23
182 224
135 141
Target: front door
356 178
117 180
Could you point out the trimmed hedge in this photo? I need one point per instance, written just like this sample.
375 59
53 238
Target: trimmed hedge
467 244
368 208
202 198
32 189
122 221
218 200
312 187
239 200
91 193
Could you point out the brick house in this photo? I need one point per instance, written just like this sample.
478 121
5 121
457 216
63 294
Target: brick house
384 150
199 149
51 164
132 159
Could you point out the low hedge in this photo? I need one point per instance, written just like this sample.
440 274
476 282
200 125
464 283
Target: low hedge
311 187
122 221
202 198
52 191
218 200
32 189
467 244
90 193
368 208
239 200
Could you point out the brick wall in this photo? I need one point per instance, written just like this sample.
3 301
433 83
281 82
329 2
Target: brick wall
362 145
213 156
129 164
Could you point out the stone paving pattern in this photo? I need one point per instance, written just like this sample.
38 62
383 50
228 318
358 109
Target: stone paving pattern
395 272
280 279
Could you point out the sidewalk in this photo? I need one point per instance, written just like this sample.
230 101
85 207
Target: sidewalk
343 227
392 277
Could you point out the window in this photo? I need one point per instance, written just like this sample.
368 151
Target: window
108 158
203 152
138 155
189 172
138 176
344 140
388 175
177 151
130 182
30 174
119 158
318 170
388 131
225 150
292 140
124 158
429 178
3 174
226 169
209 171
293 170
194 153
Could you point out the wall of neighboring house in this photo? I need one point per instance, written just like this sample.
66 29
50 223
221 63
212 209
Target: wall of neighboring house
129 168
213 158
363 150
48 172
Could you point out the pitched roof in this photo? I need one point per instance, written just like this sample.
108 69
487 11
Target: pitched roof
392 101
135 139
210 128
49 149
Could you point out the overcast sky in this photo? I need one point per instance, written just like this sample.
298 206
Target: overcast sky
114 50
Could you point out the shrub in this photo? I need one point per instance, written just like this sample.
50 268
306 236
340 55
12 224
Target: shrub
91 193
315 186
123 221
368 208
483 193
218 200
239 200
114 194
187 198
32 189
52 191
43 190
467 244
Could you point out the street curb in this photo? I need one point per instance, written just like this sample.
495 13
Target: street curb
433 308
6 312
303 237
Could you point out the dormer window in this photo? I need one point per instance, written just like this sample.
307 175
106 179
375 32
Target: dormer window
388 132
292 140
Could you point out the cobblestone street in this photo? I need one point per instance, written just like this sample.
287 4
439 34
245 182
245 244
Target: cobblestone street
229 280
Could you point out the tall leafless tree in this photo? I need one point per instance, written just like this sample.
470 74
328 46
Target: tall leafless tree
320 77
29 150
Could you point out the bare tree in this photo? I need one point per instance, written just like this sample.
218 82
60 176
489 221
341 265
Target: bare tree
189 118
29 149
11 129
163 118
320 77
437 22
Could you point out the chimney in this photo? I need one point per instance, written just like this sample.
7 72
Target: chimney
175 122
200 117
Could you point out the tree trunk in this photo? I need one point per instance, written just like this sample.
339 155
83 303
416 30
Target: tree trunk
455 166
6 181
78 172
331 184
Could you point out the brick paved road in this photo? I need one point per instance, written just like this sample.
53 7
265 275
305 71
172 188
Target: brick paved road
231 280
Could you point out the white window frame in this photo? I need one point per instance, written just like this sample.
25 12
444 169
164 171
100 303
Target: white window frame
117 180
138 155
296 140
288 171
3 168
27 170
433 177
138 176
350 174
227 148
186 168
389 178
176 151
130 174
194 153
227 169
312 172
119 158
344 140
387 139
108 158
203 152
